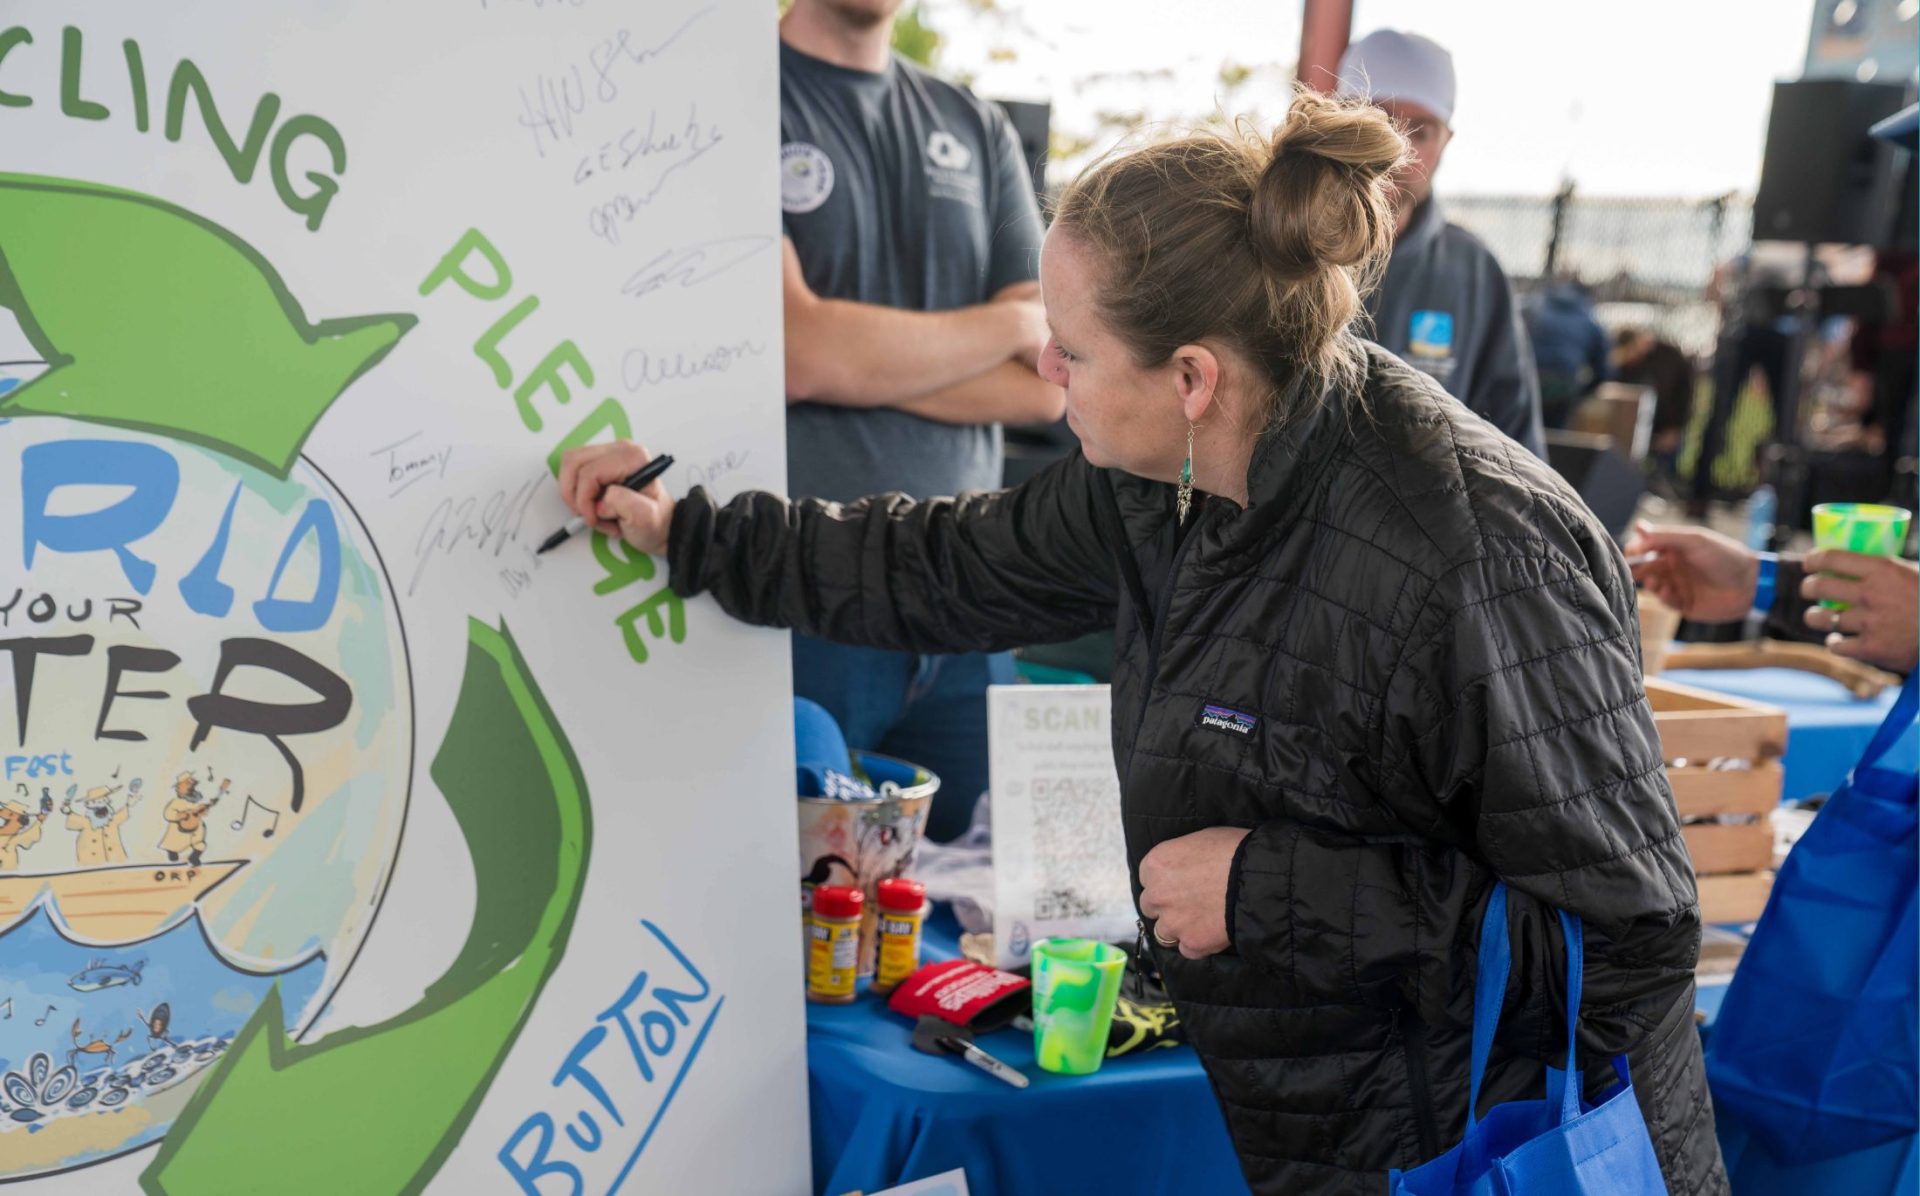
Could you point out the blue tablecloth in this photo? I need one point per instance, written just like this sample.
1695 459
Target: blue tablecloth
1827 727
885 1114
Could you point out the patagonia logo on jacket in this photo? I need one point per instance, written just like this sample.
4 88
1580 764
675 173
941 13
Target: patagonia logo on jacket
1222 718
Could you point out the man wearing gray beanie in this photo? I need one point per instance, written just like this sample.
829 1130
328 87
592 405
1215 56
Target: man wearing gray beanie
1445 305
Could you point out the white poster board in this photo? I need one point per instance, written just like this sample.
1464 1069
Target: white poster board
345 845
947 1183
1059 852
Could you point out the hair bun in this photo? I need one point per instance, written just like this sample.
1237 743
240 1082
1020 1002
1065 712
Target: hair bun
1324 200
1263 242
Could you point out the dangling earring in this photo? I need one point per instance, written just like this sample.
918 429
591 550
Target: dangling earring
1185 492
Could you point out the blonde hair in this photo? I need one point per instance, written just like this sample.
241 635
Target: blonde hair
1267 243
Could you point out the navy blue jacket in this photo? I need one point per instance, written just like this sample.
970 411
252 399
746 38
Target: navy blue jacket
1446 308
1566 337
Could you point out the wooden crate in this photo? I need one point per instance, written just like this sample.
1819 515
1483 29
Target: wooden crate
1735 897
1697 726
1700 792
1733 861
1719 849
1704 793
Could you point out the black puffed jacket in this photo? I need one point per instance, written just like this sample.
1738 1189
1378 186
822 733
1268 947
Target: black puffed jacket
1427 651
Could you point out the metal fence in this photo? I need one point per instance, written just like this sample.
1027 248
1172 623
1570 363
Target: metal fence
1650 263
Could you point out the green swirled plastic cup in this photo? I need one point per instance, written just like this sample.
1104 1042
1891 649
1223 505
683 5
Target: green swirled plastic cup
1862 527
1076 983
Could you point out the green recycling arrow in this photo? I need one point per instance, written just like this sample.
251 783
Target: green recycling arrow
377 1109
154 318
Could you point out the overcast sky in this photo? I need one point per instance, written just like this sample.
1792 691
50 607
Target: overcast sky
1633 97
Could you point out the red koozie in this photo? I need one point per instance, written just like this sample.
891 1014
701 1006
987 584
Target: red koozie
964 993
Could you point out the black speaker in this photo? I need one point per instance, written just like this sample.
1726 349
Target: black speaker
1031 122
1608 483
1823 178
1905 234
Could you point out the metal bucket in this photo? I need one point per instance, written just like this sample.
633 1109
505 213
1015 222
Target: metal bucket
865 841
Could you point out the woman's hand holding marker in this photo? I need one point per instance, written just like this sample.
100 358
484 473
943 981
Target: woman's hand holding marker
590 480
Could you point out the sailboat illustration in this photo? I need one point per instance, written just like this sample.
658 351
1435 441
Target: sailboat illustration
107 898
116 903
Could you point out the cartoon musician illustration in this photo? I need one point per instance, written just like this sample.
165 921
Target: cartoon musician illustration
186 816
20 828
97 822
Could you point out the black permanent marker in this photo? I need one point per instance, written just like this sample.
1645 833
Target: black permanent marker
637 480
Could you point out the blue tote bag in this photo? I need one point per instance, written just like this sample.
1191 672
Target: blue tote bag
1814 1051
1560 1146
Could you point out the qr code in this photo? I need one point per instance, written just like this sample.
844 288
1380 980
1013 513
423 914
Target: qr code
1079 849
1062 903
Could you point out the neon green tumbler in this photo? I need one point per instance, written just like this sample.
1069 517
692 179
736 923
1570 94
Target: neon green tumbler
1863 527
1076 983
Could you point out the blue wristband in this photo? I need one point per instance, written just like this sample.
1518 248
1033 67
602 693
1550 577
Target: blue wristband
1766 585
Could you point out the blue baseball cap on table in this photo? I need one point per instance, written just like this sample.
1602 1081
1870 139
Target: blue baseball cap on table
822 764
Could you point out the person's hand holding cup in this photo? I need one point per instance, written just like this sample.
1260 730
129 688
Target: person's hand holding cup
1866 593
1869 606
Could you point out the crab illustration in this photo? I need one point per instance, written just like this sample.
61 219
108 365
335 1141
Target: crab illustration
82 1045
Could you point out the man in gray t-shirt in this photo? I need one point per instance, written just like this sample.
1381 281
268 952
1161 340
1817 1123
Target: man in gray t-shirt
913 325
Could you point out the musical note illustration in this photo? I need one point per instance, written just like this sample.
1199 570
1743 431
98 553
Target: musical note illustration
43 1017
116 772
9 1004
247 812
209 774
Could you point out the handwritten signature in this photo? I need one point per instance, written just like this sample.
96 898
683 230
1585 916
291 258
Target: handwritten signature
518 580
694 265
639 368
405 468
548 114
483 523
704 475
634 144
604 220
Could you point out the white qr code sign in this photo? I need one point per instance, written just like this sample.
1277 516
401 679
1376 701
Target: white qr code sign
1059 857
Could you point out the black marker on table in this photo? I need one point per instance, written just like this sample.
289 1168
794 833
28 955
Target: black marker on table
980 1059
638 479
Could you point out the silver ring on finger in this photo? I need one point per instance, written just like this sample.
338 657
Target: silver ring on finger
1164 942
